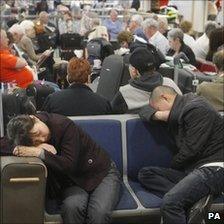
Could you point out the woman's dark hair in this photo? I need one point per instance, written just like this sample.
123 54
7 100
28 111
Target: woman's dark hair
18 130
216 39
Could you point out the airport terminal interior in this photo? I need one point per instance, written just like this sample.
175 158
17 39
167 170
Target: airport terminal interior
111 111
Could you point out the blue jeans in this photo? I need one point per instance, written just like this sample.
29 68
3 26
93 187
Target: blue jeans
81 207
181 191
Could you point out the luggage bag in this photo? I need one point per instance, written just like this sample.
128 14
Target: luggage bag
23 182
39 90
110 76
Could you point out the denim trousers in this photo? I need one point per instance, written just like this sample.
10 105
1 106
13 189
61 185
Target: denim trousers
180 191
81 207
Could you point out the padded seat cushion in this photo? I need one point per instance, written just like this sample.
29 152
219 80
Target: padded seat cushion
53 206
147 145
147 199
106 133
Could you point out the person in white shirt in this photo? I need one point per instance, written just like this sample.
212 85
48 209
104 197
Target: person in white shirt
151 30
202 43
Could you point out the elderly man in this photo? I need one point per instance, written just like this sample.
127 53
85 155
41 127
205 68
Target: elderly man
135 26
12 68
197 167
151 30
25 43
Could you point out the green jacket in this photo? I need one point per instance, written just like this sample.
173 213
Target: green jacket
213 92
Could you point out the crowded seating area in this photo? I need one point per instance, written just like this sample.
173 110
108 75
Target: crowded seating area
111 111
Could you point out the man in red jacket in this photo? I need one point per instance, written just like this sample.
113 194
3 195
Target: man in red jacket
12 68
81 169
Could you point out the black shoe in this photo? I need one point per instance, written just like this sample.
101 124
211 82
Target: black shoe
199 211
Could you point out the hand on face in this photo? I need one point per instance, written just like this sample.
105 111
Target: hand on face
162 115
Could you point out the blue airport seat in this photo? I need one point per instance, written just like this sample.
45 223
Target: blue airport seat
147 199
107 133
126 202
218 200
147 145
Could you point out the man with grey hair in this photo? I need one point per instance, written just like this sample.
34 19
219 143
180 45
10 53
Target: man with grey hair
202 43
24 44
135 26
12 68
151 30
177 45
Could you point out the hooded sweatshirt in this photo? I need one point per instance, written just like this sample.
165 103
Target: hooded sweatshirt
135 95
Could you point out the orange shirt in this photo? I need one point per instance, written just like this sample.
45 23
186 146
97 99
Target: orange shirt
8 73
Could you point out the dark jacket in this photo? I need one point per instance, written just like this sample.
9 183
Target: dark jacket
198 132
79 160
187 50
78 99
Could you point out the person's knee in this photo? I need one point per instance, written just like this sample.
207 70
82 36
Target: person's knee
145 173
169 202
99 215
73 206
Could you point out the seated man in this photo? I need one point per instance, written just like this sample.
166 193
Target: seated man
12 68
213 91
144 78
79 170
78 99
197 168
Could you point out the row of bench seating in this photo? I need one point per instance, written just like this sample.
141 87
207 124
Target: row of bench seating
132 144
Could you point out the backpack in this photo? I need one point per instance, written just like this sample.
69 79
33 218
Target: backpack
98 48
16 103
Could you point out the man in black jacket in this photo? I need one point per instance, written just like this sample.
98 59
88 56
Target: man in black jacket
78 168
78 99
197 168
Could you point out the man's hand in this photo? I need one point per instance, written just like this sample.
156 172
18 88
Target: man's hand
49 148
27 151
161 115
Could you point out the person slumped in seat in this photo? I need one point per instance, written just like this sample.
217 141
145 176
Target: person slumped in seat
197 167
80 172
144 78
78 98
213 91
12 68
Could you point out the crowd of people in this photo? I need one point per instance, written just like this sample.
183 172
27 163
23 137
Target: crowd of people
91 186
